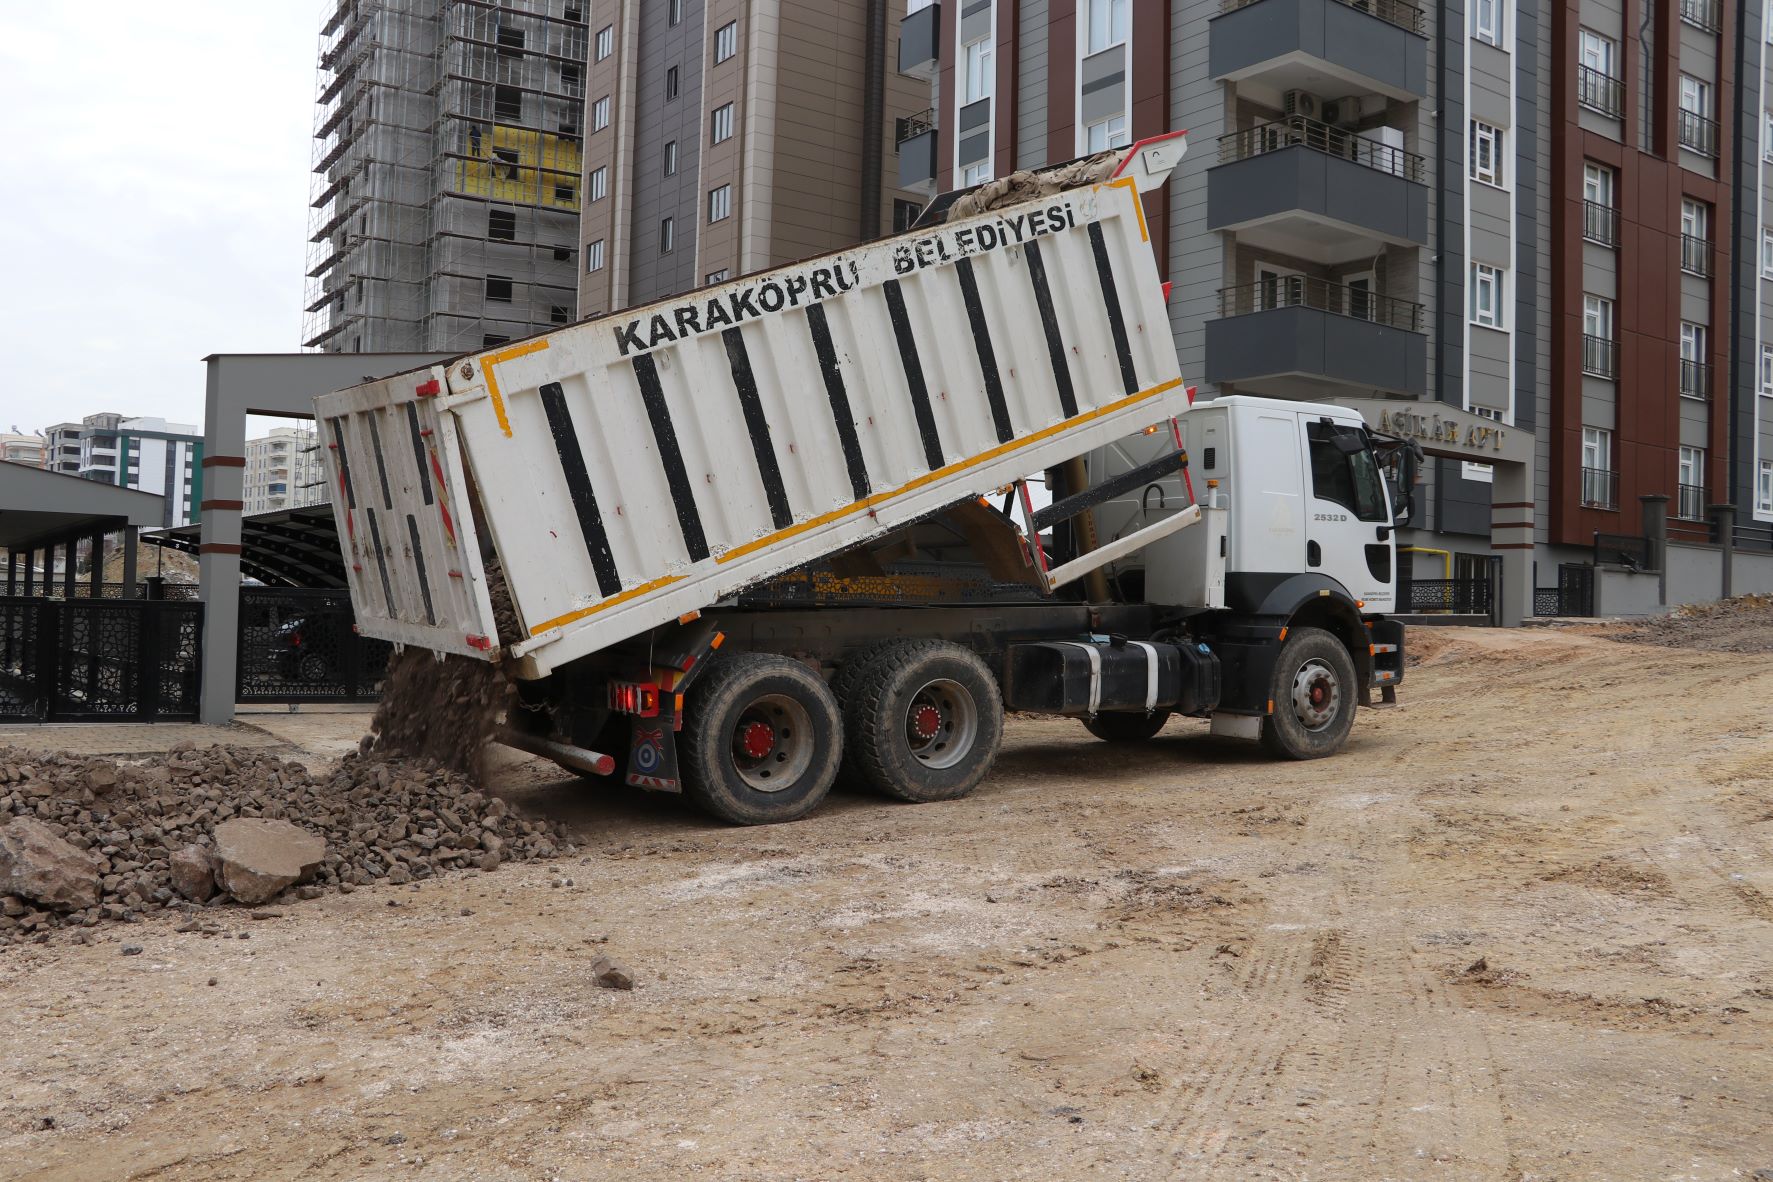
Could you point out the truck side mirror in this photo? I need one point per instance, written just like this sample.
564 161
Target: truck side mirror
1403 490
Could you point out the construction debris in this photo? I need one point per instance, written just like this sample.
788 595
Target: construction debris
86 840
1029 183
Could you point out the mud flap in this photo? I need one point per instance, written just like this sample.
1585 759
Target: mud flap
652 751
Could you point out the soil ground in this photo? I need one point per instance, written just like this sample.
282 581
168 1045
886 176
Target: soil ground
1522 929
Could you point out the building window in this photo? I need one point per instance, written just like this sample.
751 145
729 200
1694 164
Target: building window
1486 153
905 215
1598 488
676 12
1599 358
1698 132
1696 238
599 184
1695 371
1597 87
1486 21
1600 220
976 174
498 287
1690 498
720 276
726 41
565 193
501 226
594 256
670 157
671 84
1597 317
720 124
1764 487
600 114
507 104
1767 254
720 203
1595 52
1109 133
1108 24
1486 295
557 314
979 78
1767 132
606 41
667 235
571 81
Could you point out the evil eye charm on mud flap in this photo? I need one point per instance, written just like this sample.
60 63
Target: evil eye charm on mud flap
648 750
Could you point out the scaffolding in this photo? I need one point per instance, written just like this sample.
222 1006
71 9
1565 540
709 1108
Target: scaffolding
447 168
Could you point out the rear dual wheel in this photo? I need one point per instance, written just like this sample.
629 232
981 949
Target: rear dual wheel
923 721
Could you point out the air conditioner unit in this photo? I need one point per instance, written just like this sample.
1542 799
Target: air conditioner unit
1343 112
1300 102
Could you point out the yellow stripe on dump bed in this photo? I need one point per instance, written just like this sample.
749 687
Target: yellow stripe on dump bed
492 383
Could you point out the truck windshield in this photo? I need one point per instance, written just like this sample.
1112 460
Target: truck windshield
1349 478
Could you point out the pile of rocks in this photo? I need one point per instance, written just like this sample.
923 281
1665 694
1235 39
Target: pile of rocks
87 840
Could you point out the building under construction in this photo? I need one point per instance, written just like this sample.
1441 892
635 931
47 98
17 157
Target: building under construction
447 166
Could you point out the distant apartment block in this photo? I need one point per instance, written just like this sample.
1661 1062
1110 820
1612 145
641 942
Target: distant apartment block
148 454
19 448
446 173
728 136
283 471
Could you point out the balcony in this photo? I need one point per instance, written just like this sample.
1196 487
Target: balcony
1600 356
920 42
1600 488
1697 133
915 138
1304 337
1600 223
1600 93
1297 186
1702 14
1373 45
1690 502
1695 256
1695 379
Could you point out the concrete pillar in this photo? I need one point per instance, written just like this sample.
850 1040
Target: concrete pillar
129 575
218 547
1725 517
1654 508
1511 537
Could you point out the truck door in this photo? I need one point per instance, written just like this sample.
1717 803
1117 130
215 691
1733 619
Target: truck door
1348 527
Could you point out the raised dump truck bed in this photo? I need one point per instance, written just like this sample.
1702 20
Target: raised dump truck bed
635 468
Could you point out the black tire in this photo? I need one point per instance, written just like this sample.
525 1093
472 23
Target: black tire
313 668
1120 726
883 723
851 674
738 700
1314 694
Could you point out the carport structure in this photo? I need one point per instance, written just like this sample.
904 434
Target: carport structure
41 512
283 548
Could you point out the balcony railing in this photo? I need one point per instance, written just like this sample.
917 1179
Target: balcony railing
1600 488
1695 256
1600 92
1697 133
1600 223
1695 379
1690 502
1302 291
1599 356
1392 12
1298 131
914 125
1702 14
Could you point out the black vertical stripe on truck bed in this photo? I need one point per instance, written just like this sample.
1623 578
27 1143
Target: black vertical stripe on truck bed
1000 410
418 559
840 402
683 495
757 424
338 443
920 393
1117 321
578 484
375 440
375 537
418 449
1049 323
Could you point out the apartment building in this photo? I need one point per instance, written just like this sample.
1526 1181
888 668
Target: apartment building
17 447
446 173
148 454
728 136
283 471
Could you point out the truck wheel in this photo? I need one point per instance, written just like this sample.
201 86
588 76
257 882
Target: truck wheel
1119 726
1314 696
761 739
850 675
924 722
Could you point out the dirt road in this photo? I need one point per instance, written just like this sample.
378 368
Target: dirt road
1522 929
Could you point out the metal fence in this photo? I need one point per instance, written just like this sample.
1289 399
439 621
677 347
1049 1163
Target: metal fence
1297 131
1600 92
1303 291
1600 223
1696 132
1392 12
1695 255
57 588
1703 14
1600 488
1624 550
112 660
1573 596
1457 596
302 645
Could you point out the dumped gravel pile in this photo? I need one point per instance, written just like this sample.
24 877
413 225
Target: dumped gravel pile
86 840
1740 625
445 709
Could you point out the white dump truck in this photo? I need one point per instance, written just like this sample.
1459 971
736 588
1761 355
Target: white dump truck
749 536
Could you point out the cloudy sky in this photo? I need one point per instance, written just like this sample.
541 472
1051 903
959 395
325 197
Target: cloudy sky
156 206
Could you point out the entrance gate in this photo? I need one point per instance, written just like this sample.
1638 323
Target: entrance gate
99 660
301 645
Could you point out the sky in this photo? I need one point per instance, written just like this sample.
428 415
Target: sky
156 206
